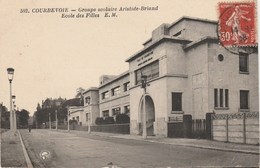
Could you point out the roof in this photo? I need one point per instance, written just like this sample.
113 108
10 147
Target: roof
116 78
90 89
73 102
155 43
198 42
194 19
185 18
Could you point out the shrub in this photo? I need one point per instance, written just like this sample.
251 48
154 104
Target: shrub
122 118
109 120
99 121
73 121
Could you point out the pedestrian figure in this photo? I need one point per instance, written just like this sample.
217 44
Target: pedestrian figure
30 128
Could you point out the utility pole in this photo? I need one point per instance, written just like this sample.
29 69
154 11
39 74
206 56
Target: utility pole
143 85
68 118
56 112
50 121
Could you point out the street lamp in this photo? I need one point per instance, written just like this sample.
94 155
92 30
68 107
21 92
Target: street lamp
10 73
89 128
143 85
56 112
68 116
50 121
14 113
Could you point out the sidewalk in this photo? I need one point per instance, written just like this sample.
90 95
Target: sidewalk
195 143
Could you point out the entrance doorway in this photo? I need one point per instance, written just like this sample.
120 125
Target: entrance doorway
150 115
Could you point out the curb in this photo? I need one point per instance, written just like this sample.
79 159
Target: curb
210 148
195 146
27 158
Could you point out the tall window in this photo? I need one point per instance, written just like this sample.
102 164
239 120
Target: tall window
243 62
151 71
221 99
105 113
105 95
116 91
176 101
87 100
127 110
126 86
116 111
244 102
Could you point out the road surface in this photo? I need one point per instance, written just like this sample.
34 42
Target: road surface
58 149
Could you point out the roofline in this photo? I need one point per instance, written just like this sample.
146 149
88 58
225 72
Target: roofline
185 18
192 18
200 41
116 78
90 89
155 43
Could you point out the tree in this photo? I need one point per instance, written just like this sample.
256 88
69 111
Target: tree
5 117
23 117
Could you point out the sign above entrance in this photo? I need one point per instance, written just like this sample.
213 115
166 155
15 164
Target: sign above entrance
145 58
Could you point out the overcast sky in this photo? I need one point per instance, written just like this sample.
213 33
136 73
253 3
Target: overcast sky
52 56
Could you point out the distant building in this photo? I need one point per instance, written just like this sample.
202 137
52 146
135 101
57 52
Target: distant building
91 106
52 103
75 108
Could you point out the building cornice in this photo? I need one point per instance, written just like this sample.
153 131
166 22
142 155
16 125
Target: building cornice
163 38
201 41
116 78
164 76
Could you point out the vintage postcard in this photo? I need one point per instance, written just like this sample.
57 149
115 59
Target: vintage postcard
133 83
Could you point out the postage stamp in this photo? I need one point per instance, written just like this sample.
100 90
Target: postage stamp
237 25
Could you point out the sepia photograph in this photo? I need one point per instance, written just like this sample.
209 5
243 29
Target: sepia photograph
129 84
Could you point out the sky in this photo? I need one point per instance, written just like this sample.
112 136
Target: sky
53 56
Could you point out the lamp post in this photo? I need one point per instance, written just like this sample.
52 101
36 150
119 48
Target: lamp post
14 114
50 121
68 116
56 112
143 85
89 128
10 73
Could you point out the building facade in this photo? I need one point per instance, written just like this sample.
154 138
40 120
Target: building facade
189 73
114 95
91 105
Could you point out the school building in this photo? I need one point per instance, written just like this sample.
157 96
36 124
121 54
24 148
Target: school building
187 71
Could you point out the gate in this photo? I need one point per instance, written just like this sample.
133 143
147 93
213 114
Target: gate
199 128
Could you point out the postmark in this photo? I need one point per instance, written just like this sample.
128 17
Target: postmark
237 26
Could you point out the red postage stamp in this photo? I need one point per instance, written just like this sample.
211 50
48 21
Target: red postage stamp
237 25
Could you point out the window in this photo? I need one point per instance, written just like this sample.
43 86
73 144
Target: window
243 62
127 110
105 113
116 91
105 95
221 98
176 101
151 71
116 111
77 118
87 100
126 86
244 103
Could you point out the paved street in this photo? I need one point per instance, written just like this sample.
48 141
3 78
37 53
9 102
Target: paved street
83 150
